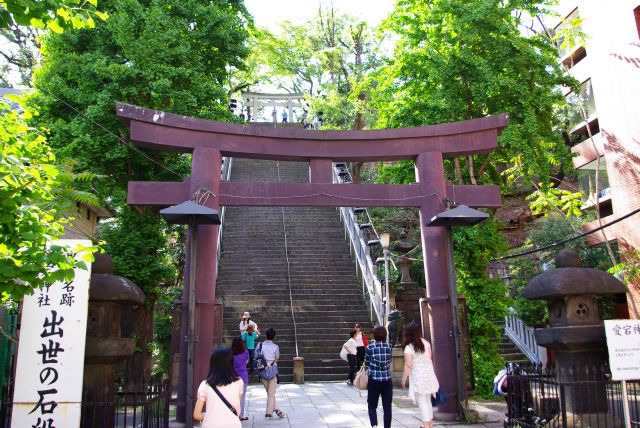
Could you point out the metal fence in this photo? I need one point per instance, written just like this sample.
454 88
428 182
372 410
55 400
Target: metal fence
131 406
581 396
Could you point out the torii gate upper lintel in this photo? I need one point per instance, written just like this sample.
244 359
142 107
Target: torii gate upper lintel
208 141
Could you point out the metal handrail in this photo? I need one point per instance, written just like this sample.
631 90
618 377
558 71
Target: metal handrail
523 337
371 286
225 175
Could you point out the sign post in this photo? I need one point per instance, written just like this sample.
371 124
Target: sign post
49 368
623 341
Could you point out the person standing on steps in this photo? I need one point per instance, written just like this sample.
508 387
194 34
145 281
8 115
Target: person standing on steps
377 359
240 359
221 391
361 344
418 368
249 338
285 117
271 353
351 348
246 322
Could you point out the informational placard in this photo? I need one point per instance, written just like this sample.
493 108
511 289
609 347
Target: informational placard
623 341
49 368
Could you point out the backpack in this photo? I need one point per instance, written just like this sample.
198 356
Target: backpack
259 360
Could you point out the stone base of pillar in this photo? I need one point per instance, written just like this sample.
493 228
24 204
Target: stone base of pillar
397 366
298 370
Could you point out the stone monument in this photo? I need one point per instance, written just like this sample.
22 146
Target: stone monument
575 329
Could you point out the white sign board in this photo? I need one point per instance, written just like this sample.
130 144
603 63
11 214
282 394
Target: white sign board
49 368
623 341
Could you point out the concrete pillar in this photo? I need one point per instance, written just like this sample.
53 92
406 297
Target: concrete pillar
298 370
430 176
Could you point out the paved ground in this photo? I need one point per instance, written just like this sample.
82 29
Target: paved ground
322 405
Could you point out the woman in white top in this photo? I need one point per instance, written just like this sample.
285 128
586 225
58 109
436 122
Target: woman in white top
246 322
352 348
418 368
361 343
223 377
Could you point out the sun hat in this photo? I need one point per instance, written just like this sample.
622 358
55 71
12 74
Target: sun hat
246 315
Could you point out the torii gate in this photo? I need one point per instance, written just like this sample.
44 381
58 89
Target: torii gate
208 141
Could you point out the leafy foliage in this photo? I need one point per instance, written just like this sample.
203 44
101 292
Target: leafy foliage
55 15
29 219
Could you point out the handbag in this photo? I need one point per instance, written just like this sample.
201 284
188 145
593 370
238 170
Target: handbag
362 378
439 399
270 372
225 401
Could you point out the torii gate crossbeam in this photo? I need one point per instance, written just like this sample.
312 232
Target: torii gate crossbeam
208 141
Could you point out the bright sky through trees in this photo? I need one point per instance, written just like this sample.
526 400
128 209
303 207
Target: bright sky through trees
269 13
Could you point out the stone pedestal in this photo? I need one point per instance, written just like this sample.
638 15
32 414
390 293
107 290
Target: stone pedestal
298 370
397 366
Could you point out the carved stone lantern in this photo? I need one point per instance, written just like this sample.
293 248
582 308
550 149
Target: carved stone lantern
403 247
105 348
575 329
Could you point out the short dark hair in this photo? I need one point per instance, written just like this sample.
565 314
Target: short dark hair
380 334
353 333
221 371
237 345
271 333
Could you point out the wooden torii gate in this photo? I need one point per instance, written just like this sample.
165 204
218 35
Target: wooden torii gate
209 141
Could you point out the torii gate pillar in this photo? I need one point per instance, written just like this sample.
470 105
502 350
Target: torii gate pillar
430 177
205 174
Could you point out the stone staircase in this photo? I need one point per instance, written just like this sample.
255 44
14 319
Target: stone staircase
327 296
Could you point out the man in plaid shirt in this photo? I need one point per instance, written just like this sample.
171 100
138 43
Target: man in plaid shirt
377 358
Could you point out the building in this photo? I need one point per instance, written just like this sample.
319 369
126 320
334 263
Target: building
607 65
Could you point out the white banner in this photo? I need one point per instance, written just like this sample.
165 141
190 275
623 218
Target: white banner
623 341
49 368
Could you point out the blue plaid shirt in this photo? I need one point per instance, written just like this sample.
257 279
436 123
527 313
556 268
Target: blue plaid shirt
377 357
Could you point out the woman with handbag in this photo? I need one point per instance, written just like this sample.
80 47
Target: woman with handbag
269 375
377 359
221 391
351 351
240 358
418 368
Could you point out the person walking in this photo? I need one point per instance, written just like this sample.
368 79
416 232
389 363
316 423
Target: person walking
249 338
361 344
221 391
351 348
271 353
377 358
285 117
418 368
240 359
246 322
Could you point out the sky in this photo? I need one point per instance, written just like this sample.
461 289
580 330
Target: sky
268 13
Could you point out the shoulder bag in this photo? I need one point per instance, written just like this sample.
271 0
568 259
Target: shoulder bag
225 401
439 399
362 378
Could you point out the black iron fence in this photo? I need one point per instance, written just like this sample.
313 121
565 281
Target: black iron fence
143 405
583 396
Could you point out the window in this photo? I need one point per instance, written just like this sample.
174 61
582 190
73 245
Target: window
587 182
580 105
569 40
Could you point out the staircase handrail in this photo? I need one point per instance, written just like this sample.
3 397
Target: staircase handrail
524 338
225 175
363 255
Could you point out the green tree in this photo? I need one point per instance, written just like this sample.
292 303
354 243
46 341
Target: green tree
172 55
457 60
30 218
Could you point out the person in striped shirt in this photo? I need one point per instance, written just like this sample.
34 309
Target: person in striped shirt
377 359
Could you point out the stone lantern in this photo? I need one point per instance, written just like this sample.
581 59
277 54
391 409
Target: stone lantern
105 348
575 329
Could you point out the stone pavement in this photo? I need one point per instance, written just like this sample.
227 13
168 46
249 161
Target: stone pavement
324 405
